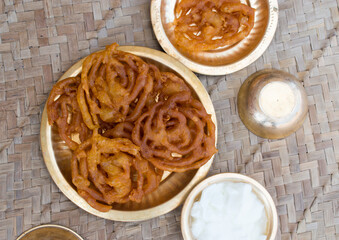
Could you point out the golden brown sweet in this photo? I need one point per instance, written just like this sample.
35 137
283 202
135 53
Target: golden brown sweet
176 134
114 87
202 25
63 111
115 168
121 130
168 85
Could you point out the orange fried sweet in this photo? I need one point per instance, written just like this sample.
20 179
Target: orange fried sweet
167 85
121 130
107 171
63 111
202 25
114 87
176 134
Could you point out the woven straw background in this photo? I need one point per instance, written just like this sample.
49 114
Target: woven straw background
39 40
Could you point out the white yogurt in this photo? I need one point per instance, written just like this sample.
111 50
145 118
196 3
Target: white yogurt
228 210
277 99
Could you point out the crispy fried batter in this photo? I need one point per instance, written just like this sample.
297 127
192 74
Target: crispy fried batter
114 87
176 134
209 24
167 85
63 111
107 171
121 130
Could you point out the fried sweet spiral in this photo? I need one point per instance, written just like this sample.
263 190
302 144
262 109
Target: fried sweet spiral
114 87
176 134
209 24
121 130
107 171
63 111
167 85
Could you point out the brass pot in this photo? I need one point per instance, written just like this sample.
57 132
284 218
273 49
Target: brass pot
272 104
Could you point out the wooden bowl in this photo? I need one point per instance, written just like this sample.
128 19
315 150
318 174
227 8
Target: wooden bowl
172 190
257 188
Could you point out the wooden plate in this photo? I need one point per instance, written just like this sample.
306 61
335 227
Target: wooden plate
172 190
224 60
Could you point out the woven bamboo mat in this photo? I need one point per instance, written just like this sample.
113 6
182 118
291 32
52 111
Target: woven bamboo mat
39 40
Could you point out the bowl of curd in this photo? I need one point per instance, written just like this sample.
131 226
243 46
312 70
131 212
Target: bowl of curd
229 206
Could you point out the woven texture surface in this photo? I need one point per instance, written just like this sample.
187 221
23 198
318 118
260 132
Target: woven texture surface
39 40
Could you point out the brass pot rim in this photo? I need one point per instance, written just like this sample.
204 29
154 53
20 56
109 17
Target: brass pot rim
48 226
226 177
135 215
163 39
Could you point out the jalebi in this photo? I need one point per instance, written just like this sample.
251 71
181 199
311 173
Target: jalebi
63 111
202 25
116 170
111 82
176 134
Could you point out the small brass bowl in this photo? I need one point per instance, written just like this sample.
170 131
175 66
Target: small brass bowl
49 232
272 104
257 188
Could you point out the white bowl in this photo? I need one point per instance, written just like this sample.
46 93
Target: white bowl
257 188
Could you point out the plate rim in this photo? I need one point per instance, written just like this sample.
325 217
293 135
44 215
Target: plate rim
257 52
23 234
134 215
